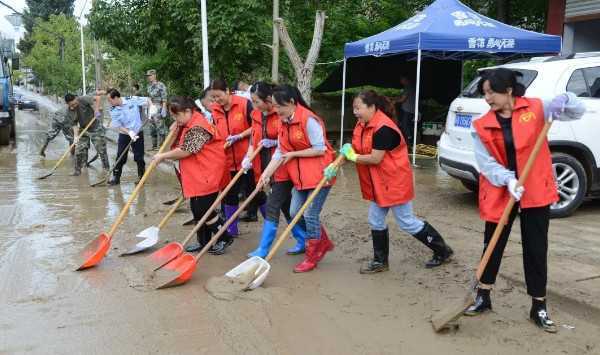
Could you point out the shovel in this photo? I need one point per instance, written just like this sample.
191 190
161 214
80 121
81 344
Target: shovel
172 250
260 267
150 235
96 249
442 319
64 156
179 270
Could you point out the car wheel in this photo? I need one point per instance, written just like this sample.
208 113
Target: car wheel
571 183
470 185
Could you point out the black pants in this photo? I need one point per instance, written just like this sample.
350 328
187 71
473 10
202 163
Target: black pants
232 198
279 199
199 206
138 153
534 240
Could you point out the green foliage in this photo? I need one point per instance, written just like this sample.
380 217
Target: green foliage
41 9
60 75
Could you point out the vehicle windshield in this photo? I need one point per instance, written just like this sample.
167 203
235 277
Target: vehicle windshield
471 90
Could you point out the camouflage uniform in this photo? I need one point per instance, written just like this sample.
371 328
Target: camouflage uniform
159 126
81 116
59 122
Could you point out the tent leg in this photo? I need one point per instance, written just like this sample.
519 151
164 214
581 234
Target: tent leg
343 104
416 120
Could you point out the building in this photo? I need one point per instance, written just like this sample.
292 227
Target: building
577 21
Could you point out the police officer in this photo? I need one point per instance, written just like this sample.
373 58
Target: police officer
59 122
159 127
126 118
82 109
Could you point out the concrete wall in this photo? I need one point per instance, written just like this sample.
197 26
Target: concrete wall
581 36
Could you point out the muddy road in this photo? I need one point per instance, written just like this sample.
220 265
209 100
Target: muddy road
47 308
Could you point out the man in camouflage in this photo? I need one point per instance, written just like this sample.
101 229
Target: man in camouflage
59 122
159 121
82 110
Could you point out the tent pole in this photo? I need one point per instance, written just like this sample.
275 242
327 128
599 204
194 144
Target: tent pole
416 120
343 104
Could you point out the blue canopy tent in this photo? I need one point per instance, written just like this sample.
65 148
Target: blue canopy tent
447 29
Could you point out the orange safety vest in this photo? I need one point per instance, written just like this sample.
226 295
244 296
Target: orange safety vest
390 182
202 173
540 187
273 124
305 173
232 123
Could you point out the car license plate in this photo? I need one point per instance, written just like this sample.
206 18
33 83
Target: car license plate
4 114
462 120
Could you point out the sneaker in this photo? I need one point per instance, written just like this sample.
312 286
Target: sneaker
220 246
374 266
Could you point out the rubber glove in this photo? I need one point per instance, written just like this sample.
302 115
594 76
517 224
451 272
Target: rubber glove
330 171
76 139
232 139
97 114
268 143
163 112
348 152
557 106
516 192
134 137
246 163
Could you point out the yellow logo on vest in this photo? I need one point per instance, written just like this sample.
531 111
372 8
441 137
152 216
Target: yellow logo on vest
527 117
298 135
238 116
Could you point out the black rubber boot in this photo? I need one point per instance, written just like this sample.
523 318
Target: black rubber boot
381 250
434 241
539 316
140 170
482 303
115 179
79 161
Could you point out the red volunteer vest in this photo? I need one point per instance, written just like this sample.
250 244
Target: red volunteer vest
202 173
540 187
390 182
273 124
234 122
305 173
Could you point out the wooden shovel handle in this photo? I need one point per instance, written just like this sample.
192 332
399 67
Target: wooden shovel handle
298 215
541 139
140 184
170 213
220 197
66 153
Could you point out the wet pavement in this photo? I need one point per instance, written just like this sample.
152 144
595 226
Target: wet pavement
47 308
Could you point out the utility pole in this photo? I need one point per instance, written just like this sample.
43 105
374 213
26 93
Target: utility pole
97 61
275 63
204 29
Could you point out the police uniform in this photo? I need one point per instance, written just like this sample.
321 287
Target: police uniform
59 122
159 126
81 116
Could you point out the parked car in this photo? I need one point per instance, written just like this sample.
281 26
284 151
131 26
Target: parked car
27 104
7 108
575 145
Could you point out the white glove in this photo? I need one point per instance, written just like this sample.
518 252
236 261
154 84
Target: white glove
133 136
516 192
268 143
246 163
76 139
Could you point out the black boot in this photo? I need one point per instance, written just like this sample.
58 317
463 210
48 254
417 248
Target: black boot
79 161
539 315
115 179
381 250
434 241
482 303
43 150
140 170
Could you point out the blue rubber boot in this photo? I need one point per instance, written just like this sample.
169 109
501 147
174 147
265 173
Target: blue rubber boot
233 227
269 233
299 233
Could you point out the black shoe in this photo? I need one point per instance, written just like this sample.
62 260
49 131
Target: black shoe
439 259
482 303
114 181
192 248
220 246
539 316
191 222
249 217
374 266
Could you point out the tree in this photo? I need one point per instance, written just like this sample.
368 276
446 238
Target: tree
41 9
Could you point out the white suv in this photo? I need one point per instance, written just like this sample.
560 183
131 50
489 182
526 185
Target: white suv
575 145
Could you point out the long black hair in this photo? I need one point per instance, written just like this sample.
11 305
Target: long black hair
262 89
219 84
501 79
286 94
371 98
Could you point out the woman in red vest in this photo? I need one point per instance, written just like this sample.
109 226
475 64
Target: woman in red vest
232 115
305 151
199 150
380 152
265 130
503 141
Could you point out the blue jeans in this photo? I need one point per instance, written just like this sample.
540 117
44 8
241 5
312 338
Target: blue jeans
403 214
311 214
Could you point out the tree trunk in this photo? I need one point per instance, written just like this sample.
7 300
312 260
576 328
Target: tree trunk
304 70
502 11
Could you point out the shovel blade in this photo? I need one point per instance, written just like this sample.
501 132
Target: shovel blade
45 176
176 272
93 252
450 314
261 267
149 238
100 182
162 256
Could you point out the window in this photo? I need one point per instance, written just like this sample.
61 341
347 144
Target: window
577 84
526 79
592 76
